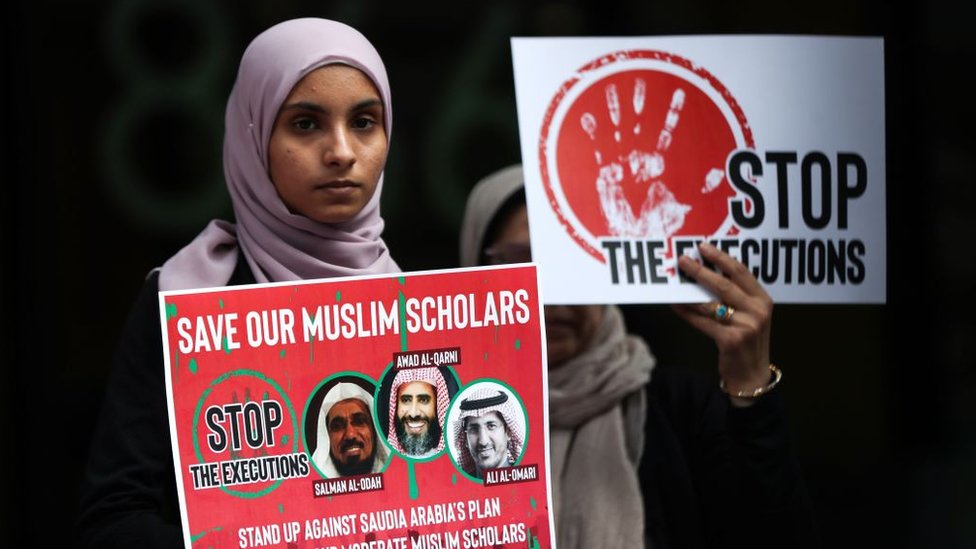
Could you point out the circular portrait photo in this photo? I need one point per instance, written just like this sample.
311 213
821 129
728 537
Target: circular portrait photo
412 404
340 432
487 428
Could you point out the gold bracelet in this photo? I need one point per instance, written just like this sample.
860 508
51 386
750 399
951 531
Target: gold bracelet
775 373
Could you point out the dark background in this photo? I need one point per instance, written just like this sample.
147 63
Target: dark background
112 117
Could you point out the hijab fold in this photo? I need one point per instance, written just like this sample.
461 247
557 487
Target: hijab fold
322 456
277 244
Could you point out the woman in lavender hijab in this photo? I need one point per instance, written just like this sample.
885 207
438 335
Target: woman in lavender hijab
307 131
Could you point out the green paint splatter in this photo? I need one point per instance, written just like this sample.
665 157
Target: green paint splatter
532 502
266 396
192 365
402 302
224 346
518 344
170 310
454 478
194 538
414 489
403 280
534 543
310 337
220 302
282 353
338 295
281 508
284 440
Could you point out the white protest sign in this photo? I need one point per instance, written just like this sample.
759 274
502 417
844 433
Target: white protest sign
771 147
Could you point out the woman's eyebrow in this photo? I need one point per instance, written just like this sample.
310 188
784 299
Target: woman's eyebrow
315 107
303 106
366 103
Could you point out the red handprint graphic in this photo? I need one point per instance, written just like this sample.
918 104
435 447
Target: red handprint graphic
660 214
659 146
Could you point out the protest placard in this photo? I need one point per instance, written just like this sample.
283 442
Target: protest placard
771 147
396 411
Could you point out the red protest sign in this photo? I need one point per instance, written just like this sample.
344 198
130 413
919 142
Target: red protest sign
391 411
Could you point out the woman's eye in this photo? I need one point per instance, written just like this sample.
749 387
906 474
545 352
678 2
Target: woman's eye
363 123
304 124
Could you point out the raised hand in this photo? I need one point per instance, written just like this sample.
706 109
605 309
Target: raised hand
742 332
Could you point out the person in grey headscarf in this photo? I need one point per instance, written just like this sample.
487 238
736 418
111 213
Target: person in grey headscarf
665 460
346 441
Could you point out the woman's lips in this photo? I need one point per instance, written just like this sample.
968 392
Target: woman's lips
339 187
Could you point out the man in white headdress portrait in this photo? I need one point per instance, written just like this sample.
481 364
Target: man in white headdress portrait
346 440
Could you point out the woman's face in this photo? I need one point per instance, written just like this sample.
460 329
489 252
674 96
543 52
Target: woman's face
569 328
328 146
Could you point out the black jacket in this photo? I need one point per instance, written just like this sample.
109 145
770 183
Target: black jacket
716 476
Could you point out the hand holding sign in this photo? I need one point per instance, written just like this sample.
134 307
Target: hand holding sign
742 338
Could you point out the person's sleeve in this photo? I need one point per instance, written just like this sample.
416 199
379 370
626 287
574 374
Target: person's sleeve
764 502
128 496
746 472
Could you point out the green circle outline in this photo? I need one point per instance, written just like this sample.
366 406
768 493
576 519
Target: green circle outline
393 451
376 426
525 416
196 421
208 60
141 202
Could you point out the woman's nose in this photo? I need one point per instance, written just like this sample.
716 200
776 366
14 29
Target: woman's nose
338 150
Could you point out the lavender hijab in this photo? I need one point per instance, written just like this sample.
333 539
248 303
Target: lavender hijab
277 244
